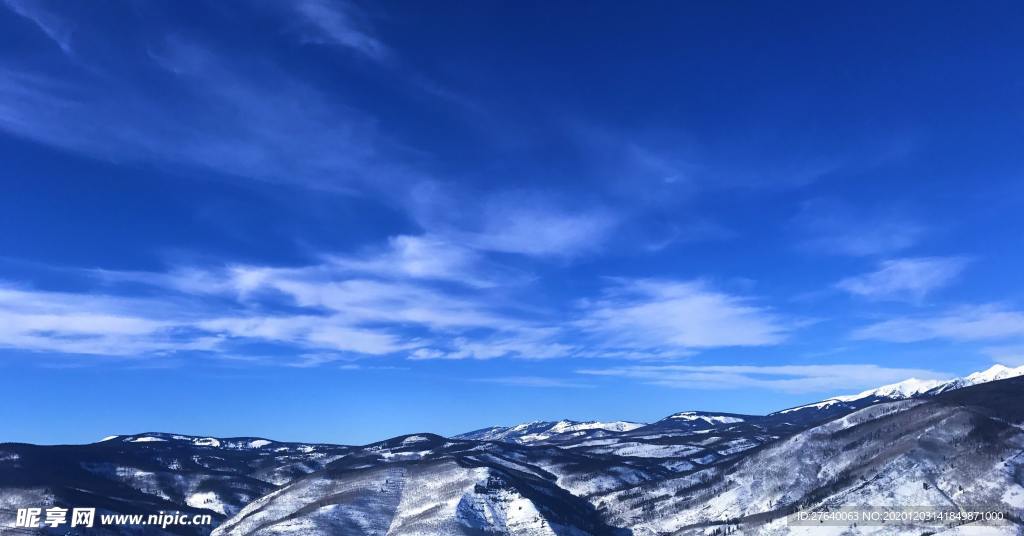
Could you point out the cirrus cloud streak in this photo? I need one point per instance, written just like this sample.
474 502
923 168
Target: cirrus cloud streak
784 378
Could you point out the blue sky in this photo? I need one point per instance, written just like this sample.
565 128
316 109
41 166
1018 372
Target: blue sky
329 221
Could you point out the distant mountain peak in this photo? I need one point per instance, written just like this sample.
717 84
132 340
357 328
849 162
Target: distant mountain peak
904 389
995 372
234 443
915 387
566 426
569 430
537 431
991 374
709 418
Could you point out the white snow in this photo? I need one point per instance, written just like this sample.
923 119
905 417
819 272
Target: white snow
505 510
259 443
819 405
146 439
1014 496
710 419
981 530
109 437
995 372
914 387
562 427
903 389
207 500
206 442
537 431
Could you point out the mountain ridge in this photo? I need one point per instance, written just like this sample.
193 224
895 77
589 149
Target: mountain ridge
537 431
691 473
915 387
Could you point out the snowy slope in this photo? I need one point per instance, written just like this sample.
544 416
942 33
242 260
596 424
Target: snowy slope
962 448
422 488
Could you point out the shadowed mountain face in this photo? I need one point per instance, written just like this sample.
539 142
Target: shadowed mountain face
690 473
424 484
946 451
150 473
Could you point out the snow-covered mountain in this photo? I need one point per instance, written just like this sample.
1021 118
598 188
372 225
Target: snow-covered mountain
994 373
964 447
953 444
709 419
539 431
242 443
896 391
566 431
914 387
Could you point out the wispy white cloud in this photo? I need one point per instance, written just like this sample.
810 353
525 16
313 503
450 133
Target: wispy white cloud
314 331
107 325
399 299
969 323
316 359
57 28
650 313
910 278
408 257
270 125
94 324
686 233
256 119
534 381
523 222
424 257
339 22
525 343
352 305
834 227
531 230
833 379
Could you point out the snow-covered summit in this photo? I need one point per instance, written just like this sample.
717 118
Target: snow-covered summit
896 391
915 387
537 431
708 418
993 373
235 443
563 426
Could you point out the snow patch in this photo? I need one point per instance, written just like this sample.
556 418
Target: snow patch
562 427
146 439
1014 497
207 500
710 419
